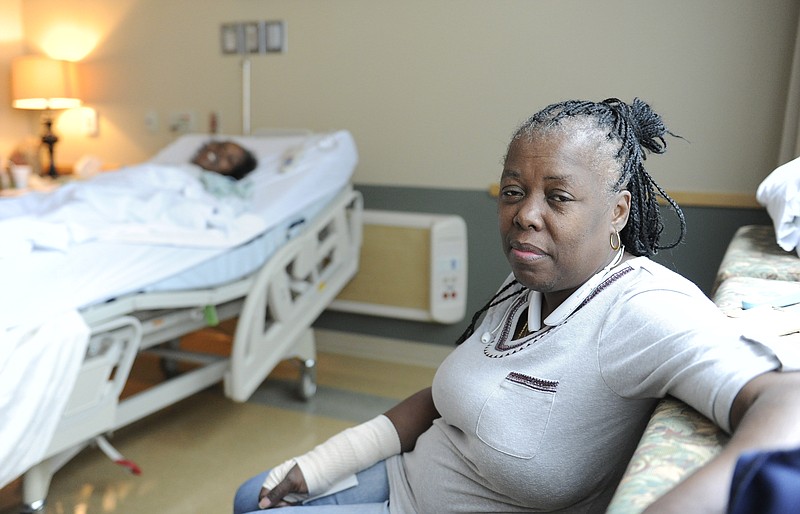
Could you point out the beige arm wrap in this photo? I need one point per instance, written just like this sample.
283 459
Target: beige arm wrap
277 474
344 454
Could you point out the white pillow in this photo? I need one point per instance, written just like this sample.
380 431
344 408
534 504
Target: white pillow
267 150
780 194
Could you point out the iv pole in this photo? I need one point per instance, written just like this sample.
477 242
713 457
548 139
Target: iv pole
246 96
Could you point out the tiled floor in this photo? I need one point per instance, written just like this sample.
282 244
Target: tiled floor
194 454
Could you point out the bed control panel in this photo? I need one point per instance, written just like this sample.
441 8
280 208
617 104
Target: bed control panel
412 266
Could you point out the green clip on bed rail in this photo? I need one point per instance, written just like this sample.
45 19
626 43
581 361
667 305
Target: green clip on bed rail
210 315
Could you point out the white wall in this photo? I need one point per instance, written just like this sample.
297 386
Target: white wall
432 89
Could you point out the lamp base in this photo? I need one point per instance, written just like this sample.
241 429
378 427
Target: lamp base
50 139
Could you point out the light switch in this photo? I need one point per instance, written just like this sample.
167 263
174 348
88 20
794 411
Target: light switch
151 121
91 126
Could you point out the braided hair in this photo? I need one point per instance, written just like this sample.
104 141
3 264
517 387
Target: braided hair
636 129
497 299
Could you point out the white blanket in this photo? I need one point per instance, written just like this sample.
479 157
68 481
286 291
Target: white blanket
61 254
147 204
780 194
38 367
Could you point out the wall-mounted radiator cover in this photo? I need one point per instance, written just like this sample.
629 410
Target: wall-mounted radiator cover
413 266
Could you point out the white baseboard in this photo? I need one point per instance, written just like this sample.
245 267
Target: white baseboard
381 348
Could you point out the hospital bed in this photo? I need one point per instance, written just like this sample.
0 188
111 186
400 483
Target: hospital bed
298 248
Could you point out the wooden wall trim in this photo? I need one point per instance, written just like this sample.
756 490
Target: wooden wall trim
693 199
696 199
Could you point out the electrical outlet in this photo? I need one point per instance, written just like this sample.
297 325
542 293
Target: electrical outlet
91 126
151 121
182 122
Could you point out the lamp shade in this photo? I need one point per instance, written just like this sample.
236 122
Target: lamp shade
38 82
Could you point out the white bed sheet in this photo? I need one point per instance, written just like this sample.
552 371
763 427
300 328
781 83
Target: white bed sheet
37 363
240 261
294 174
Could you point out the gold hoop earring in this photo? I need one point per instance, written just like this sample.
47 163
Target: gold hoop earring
614 247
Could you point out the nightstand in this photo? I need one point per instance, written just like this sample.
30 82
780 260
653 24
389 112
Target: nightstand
37 184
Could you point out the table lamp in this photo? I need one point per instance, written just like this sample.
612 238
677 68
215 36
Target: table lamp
42 83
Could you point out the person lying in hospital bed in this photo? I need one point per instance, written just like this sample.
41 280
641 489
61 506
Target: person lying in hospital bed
203 202
226 158
44 346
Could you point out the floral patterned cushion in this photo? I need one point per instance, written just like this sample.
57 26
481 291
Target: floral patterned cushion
678 439
754 252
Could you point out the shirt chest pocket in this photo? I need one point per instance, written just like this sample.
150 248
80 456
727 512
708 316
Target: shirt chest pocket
515 416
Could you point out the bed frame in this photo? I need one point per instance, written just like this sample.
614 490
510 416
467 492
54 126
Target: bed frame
275 307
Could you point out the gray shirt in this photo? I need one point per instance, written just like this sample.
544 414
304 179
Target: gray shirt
548 423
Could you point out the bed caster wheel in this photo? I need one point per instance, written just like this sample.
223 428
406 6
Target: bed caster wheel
169 367
36 507
308 379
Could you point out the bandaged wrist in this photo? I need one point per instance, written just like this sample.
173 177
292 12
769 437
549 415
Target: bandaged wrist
348 452
276 476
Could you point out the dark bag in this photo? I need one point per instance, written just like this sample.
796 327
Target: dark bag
766 483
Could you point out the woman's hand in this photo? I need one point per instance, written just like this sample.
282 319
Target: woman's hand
292 483
348 452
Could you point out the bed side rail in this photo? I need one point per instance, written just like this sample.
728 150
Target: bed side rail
92 405
290 292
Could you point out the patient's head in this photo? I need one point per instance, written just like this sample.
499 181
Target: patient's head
226 158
